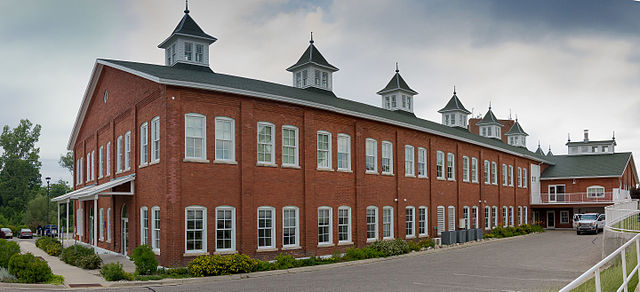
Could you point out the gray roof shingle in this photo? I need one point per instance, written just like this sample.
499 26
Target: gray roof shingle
489 119
516 129
454 104
397 83
188 27
313 56
594 165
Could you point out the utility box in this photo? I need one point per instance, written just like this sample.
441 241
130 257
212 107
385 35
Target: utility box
471 234
461 236
448 237
479 235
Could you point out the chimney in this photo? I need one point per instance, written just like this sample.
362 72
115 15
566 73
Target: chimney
586 135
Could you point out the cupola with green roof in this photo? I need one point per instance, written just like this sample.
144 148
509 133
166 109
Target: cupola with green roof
539 151
188 43
312 70
454 114
516 135
489 126
397 95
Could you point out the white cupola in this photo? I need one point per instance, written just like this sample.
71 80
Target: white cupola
489 126
516 136
187 43
454 114
397 95
312 70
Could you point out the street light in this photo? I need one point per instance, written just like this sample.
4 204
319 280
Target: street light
45 225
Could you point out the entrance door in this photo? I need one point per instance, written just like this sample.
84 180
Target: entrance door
551 219
125 229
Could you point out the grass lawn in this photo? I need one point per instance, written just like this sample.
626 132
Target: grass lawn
630 223
611 278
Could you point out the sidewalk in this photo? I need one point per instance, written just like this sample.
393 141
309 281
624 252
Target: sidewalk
127 264
73 276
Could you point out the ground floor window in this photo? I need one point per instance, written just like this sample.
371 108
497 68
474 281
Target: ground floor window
144 224
465 215
290 226
344 224
195 229
387 222
526 218
109 224
511 218
324 225
101 222
564 217
452 218
494 215
474 216
266 232
410 223
505 216
441 216
487 217
155 228
519 215
423 229
79 225
372 223
225 228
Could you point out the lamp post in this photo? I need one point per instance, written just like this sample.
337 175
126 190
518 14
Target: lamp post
45 225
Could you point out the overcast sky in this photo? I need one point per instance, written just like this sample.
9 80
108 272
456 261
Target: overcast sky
560 66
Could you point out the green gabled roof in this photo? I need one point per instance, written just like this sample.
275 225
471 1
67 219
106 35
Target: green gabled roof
489 119
593 165
208 80
188 27
516 129
397 83
312 56
539 151
454 104
591 142
549 153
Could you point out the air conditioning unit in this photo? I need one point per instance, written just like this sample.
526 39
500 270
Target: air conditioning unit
461 236
437 241
471 234
462 223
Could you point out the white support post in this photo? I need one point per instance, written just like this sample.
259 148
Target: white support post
58 235
95 222
624 269
67 227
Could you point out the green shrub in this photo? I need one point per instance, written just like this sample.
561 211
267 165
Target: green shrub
90 262
7 277
80 256
29 269
213 265
177 272
284 261
264 266
391 247
145 260
7 250
367 252
53 248
113 272
56 280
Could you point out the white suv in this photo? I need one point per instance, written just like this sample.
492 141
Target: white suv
590 222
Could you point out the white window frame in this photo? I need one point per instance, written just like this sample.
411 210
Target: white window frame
465 169
144 225
232 248
155 139
348 225
79 222
93 165
155 229
373 224
494 173
494 215
487 172
119 154
474 170
504 175
108 224
100 161
510 175
451 166
219 136
519 215
202 156
440 173
271 228
526 218
389 223
327 164
101 222
466 215
81 168
387 154
505 216
203 230
295 228
511 216
422 160
525 178
519 177
423 220
409 161
89 167
452 218
144 141
342 140
329 226
371 151
487 217
108 160
441 219
594 191
474 217
293 147
410 222
269 147
127 151
564 212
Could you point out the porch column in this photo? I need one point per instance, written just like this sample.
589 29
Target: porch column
95 221
67 226
58 235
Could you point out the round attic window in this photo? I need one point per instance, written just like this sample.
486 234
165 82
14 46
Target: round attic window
106 96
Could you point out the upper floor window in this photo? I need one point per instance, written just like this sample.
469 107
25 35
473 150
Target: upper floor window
511 175
344 152
440 165
451 166
422 162
127 151
88 166
393 101
225 136
409 168
525 178
494 173
487 172
324 150
119 154
371 150
188 51
100 157
298 79
199 53
325 79
155 139
474 170
387 157
266 145
289 145
195 136
504 174
387 102
519 177
465 168
108 163
317 77
595 192
143 144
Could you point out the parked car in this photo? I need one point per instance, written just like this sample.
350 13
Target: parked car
7 233
25 233
590 222
50 230
576 218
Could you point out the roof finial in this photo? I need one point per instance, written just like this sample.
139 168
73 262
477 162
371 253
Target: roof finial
549 147
614 135
311 41
516 118
489 105
538 143
510 115
186 6
568 137
397 70
454 90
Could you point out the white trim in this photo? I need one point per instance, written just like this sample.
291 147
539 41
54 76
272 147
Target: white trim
578 177
296 227
330 231
101 222
329 165
374 154
451 158
426 221
155 123
272 143
412 209
375 224
412 169
144 238
144 143
348 159
440 162
451 210
296 147
466 172
426 161
202 156
564 212
272 228
154 237
382 145
203 230
232 149
127 151
391 235
233 229
349 228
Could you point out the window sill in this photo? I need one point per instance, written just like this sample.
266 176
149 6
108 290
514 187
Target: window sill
324 169
156 251
325 244
266 164
387 173
291 166
195 254
411 237
423 176
196 160
410 175
440 178
154 162
345 170
266 249
291 247
219 161
451 179
423 235
225 252
345 243
143 165
371 172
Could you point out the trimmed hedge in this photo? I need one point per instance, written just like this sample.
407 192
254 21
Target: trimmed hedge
391 247
214 265
7 250
29 269
501 232
80 256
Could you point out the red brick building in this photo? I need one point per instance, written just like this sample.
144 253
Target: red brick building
194 162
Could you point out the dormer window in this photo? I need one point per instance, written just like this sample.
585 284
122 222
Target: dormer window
188 51
199 53
312 65
182 40
454 114
393 102
387 102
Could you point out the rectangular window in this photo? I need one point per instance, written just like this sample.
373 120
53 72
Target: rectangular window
155 229
387 222
451 166
441 222
564 217
423 229
494 215
344 152
317 77
225 136
88 166
188 51
504 174
474 170
289 226
422 162
81 168
144 225
173 52
79 226
155 139
108 163
108 224
393 101
519 177
387 157
324 225
266 232
304 77
525 178
199 53
511 175
325 79
410 223
465 216
387 102
474 217
487 217
144 154
344 224
119 154
266 145
452 218
519 215
225 229
487 172
372 223
526 218
195 229
371 155
289 145
93 164
511 217
440 165
465 168
409 167
127 151
494 173
195 138
101 223
505 216
324 150
298 79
